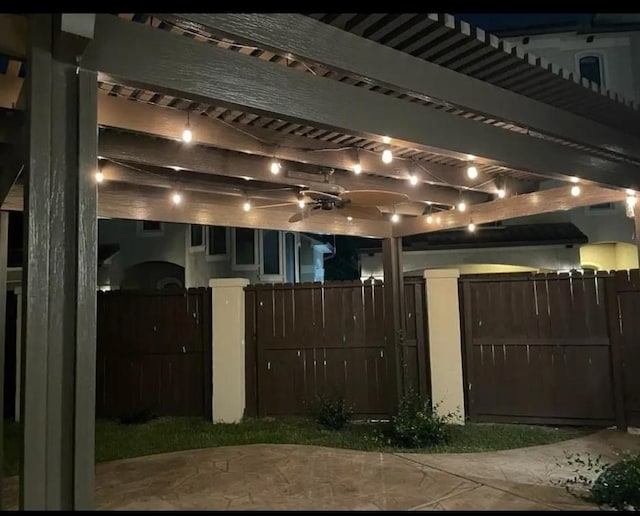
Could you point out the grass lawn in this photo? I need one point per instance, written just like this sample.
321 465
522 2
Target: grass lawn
166 434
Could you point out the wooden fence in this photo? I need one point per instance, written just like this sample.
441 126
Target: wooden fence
154 352
549 348
308 338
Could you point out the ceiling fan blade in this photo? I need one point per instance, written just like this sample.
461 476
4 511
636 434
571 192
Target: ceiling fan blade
316 195
373 197
280 205
360 212
306 212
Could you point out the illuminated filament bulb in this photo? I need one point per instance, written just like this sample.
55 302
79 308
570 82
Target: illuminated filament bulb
462 206
275 167
429 219
176 198
301 203
575 190
246 206
472 172
502 193
387 157
472 227
413 179
99 176
357 168
395 218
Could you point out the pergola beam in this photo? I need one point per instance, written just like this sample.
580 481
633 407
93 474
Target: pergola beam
135 202
313 41
199 158
205 73
13 35
543 201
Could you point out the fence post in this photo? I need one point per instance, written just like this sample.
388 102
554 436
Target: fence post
616 352
228 348
445 350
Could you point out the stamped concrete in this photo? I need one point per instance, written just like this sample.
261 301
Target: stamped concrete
293 477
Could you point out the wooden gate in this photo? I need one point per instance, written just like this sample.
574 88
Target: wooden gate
310 338
626 331
537 348
154 352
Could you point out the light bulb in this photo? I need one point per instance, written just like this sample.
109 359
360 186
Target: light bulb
357 168
99 176
462 206
395 218
438 219
187 135
502 193
246 206
631 203
429 219
472 227
349 218
472 172
387 157
275 167
301 203
176 198
413 179
630 191
575 190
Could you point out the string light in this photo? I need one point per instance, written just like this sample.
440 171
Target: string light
631 203
462 206
275 166
387 156
413 179
472 172
246 206
429 219
438 220
349 218
575 190
395 218
357 168
301 203
99 176
187 135
176 198
472 227
502 193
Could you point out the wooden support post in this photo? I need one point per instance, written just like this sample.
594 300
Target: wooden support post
615 339
60 270
395 330
4 245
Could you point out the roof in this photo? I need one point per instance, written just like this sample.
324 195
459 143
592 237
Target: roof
561 233
444 40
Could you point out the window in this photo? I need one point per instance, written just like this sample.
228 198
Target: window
196 236
244 249
147 228
290 258
216 241
591 68
271 253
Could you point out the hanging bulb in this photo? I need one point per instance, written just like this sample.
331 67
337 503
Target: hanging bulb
502 193
301 203
472 227
99 176
575 190
472 172
275 166
631 203
246 206
413 179
349 218
429 219
395 218
462 206
187 135
387 157
176 198
630 192
357 168
438 220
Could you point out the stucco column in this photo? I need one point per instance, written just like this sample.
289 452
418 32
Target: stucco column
445 350
228 401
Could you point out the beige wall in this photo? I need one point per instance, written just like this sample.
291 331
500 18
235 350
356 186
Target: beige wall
445 348
609 256
228 401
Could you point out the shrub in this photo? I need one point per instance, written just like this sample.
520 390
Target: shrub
618 486
417 424
331 412
607 485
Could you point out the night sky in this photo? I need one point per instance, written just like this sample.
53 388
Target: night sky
511 21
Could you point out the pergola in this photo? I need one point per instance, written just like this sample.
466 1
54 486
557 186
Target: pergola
321 93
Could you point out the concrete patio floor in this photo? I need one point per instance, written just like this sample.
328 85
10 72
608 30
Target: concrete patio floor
288 477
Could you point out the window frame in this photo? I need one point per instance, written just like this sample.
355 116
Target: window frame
296 256
256 252
196 248
272 278
147 233
601 62
218 257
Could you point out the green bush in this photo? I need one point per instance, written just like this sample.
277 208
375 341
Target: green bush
331 412
618 486
417 425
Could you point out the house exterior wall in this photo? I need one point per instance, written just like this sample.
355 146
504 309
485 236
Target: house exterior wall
619 51
478 260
